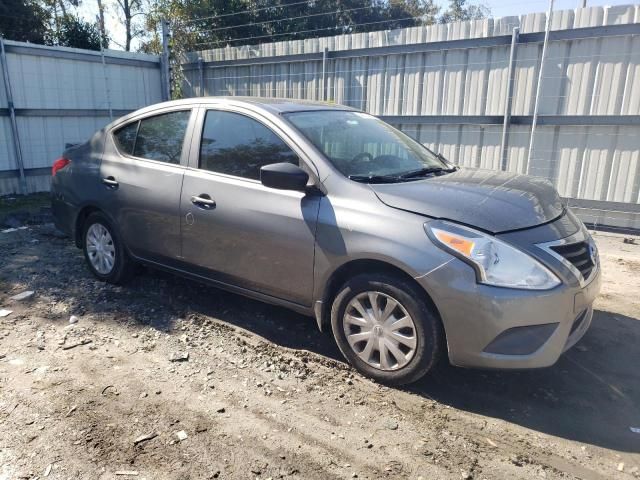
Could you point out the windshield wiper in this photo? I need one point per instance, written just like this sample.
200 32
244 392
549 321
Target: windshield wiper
376 178
426 171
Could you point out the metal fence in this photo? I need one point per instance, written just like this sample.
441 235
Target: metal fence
468 90
50 96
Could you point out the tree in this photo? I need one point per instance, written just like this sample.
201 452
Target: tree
201 24
75 32
23 20
460 10
128 10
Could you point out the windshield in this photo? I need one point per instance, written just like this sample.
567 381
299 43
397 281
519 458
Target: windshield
365 148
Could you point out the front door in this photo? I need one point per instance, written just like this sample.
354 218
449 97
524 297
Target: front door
234 229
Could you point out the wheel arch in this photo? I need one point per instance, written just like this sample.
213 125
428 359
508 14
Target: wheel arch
81 217
357 267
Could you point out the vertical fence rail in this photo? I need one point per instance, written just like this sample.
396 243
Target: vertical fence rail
504 158
17 149
536 104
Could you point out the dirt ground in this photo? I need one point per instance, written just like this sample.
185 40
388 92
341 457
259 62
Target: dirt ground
263 394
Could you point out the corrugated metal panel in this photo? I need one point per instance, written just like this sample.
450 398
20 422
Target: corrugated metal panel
593 76
57 78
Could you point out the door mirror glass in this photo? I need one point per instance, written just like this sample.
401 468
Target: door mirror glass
284 176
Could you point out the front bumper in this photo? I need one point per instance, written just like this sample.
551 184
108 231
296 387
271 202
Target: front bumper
492 327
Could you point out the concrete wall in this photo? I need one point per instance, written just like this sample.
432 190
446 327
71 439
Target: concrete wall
451 93
61 96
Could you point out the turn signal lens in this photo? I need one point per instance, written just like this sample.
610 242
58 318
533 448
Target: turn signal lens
496 262
459 244
59 165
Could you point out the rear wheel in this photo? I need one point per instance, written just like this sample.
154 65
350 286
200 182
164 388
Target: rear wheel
104 251
385 328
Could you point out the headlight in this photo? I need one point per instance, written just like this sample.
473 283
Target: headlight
496 262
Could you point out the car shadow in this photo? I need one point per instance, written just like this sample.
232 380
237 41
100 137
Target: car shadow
591 395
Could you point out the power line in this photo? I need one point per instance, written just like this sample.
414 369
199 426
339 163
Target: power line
337 12
309 31
243 13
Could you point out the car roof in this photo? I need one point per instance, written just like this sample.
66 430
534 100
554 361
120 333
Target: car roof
272 104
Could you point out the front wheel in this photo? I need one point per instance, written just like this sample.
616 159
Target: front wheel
104 251
385 328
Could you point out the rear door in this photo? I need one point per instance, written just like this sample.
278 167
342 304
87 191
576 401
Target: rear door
246 234
141 174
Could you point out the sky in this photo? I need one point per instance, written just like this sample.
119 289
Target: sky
499 8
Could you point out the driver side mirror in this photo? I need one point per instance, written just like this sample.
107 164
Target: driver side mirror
284 176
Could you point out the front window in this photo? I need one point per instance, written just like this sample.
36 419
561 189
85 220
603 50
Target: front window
237 145
366 149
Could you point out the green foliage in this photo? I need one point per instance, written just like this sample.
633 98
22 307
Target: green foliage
200 24
23 20
75 32
460 10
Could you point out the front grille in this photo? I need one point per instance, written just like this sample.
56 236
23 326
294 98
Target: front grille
579 255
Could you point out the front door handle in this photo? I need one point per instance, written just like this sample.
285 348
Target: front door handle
203 201
110 182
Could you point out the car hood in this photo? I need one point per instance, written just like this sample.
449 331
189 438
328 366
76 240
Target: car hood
492 201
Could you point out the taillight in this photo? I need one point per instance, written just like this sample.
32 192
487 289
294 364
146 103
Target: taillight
59 165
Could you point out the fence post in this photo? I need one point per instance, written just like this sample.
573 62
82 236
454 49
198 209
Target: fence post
201 69
508 101
164 62
324 74
12 113
534 122
107 91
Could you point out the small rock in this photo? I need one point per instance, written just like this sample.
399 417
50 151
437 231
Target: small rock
143 395
131 473
220 410
5 313
466 475
391 425
182 435
630 241
144 438
73 319
179 357
26 295
621 467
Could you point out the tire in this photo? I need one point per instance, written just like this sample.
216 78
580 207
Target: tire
117 267
425 330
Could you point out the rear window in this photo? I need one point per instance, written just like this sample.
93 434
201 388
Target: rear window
125 137
160 138
157 138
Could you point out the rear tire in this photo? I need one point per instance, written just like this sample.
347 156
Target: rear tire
395 342
104 251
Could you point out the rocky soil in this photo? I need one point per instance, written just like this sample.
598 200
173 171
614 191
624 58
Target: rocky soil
167 379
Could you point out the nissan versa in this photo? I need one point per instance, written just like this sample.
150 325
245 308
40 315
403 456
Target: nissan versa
335 214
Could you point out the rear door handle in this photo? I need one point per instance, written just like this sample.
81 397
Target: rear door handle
110 182
203 201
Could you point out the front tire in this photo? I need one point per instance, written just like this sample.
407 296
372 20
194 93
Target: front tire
104 251
385 328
